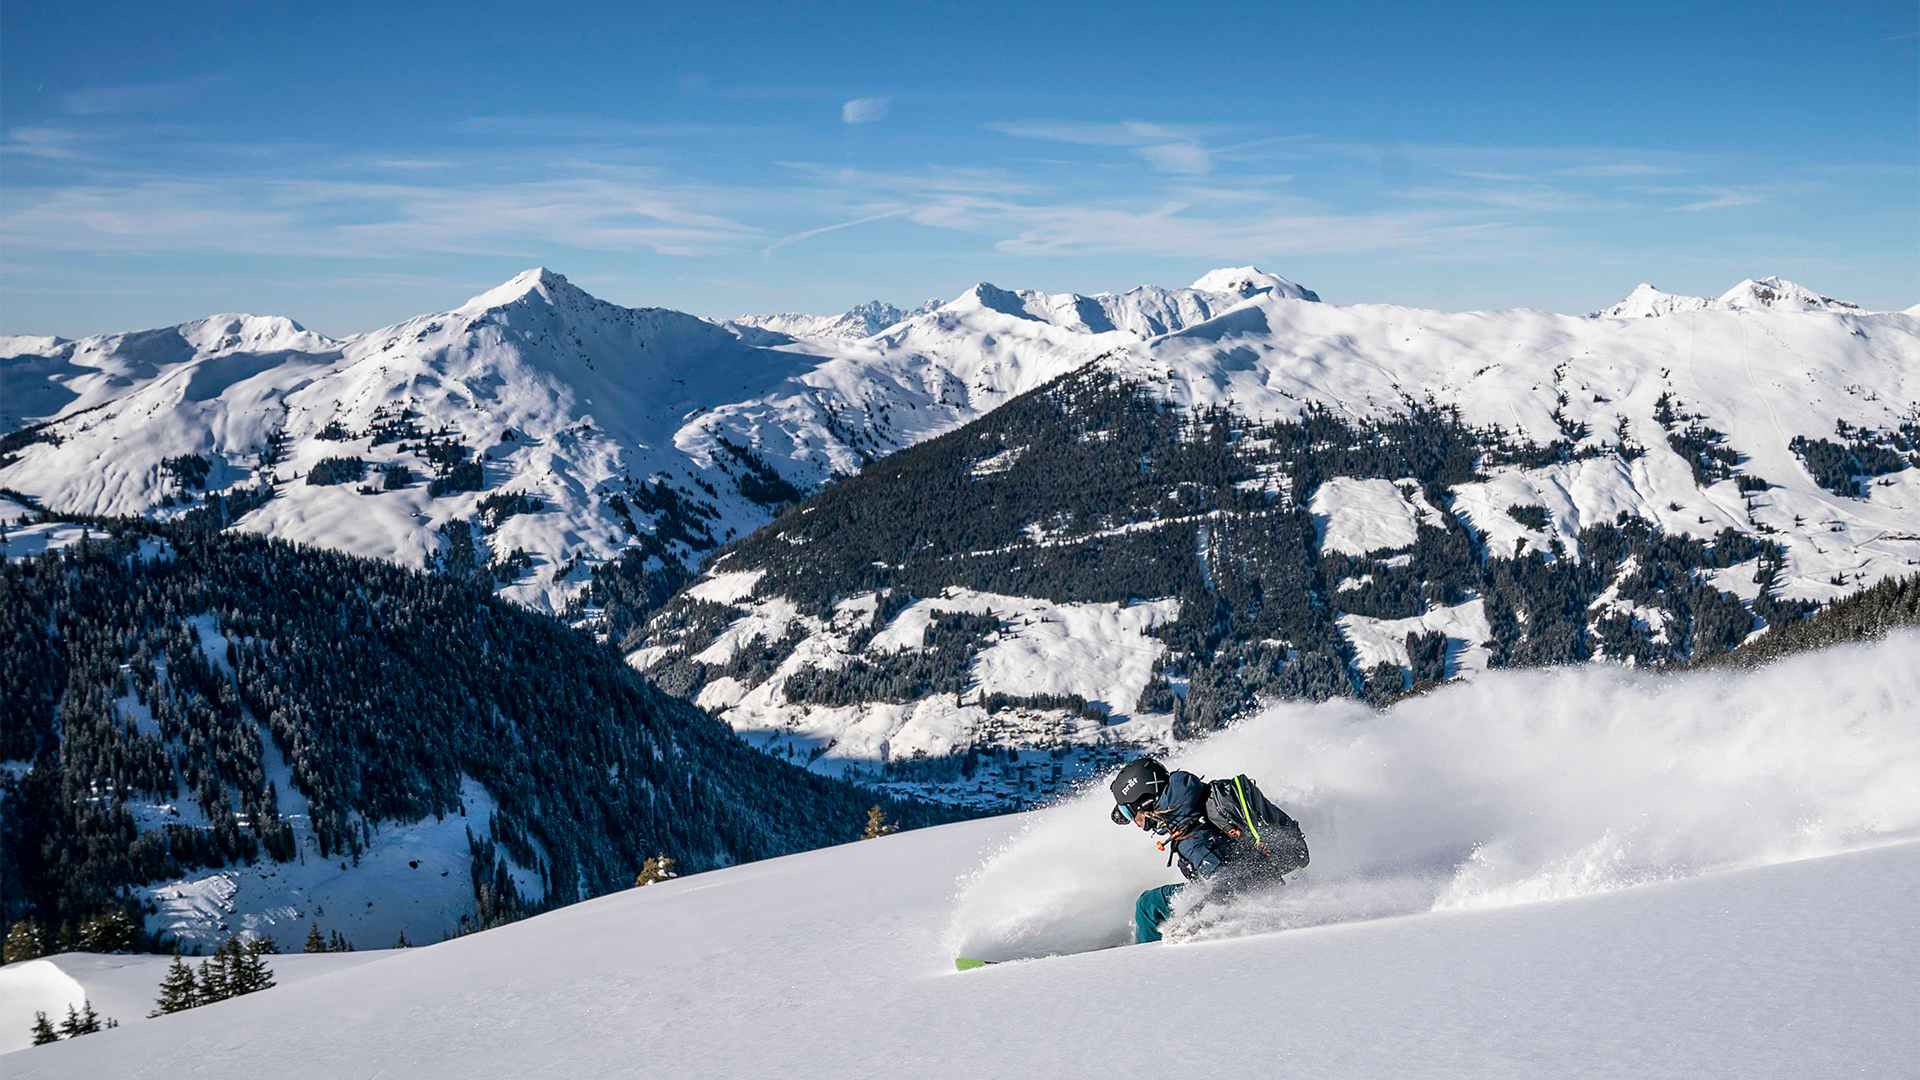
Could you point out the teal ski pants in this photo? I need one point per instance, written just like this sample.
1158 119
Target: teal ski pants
1151 910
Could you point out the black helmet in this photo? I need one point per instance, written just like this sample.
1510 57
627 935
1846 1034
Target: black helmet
1140 781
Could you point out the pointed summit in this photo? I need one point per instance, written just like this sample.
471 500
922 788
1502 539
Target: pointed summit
538 281
1245 281
1647 302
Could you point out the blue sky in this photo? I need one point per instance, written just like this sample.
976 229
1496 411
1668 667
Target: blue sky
352 164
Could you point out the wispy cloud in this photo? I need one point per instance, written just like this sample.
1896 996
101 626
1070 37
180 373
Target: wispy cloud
1169 230
1165 148
338 218
1722 199
51 143
913 181
595 129
1624 168
866 110
135 97
1532 198
538 185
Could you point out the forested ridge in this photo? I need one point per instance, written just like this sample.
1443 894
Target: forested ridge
1095 489
380 687
1871 613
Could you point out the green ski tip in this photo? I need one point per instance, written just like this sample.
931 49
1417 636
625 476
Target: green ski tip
964 964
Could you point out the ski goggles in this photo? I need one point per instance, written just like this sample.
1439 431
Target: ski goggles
1123 815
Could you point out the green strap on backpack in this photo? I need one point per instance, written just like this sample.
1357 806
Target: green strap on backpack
1246 814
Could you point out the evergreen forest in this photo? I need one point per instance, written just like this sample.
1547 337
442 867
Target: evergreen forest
1095 489
155 664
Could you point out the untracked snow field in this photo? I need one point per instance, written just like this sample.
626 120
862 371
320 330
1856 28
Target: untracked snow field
1588 872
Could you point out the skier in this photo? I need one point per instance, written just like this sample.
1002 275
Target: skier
1224 832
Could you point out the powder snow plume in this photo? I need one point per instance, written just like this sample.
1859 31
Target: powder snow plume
1514 788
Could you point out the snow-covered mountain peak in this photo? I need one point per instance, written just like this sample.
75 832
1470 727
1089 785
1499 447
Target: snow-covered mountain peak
23 344
539 281
1245 281
1147 311
1772 292
1647 302
235 332
859 321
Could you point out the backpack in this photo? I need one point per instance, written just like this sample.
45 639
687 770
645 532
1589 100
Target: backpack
1257 828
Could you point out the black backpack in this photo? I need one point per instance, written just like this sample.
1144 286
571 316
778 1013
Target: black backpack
1258 829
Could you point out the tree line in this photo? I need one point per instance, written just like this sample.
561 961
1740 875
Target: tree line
128 682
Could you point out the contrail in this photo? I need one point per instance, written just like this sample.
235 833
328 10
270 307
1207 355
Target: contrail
767 252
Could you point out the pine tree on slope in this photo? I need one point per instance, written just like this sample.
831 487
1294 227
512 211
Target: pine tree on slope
80 1023
315 943
877 824
177 990
43 1032
250 972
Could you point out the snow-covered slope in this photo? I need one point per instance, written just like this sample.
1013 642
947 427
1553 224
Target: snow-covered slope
1761 373
1474 909
121 986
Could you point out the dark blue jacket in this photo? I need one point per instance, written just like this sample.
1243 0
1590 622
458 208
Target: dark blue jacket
1201 849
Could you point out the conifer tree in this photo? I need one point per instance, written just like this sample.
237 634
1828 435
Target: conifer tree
656 868
877 824
23 943
114 932
43 1032
70 1027
401 942
339 943
315 943
215 981
177 990
250 972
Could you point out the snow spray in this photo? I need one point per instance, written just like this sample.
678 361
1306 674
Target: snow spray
1517 787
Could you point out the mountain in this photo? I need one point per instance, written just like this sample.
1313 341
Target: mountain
1768 292
575 451
235 734
1295 499
1647 302
861 321
1383 496
1474 908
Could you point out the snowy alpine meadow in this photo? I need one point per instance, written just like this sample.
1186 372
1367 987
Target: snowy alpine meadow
1589 872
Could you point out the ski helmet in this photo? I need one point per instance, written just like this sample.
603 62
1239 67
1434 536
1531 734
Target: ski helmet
1139 781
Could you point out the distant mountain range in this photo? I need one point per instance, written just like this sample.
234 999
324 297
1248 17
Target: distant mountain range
1295 499
1204 495
630 429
